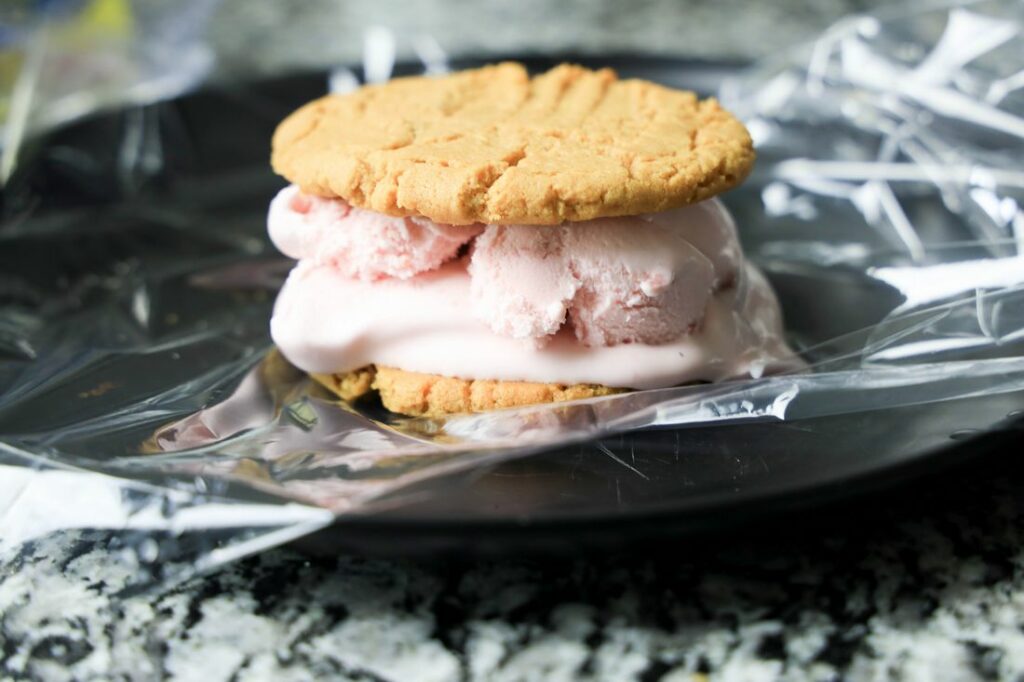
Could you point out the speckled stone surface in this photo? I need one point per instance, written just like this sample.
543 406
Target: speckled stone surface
927 584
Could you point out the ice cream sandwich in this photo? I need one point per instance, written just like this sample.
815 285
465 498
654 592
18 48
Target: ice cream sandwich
487 239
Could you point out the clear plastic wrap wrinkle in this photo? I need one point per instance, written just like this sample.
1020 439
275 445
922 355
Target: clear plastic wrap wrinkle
139 391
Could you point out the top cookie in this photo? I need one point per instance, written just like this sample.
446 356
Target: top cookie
492 145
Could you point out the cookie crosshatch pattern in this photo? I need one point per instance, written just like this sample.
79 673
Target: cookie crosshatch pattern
492 145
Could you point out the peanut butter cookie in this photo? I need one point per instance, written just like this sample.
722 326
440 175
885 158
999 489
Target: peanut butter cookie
493 145
430 395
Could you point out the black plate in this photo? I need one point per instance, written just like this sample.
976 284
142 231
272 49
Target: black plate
628 487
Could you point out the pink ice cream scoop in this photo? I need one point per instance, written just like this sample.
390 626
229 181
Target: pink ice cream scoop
361 244
641 302
637 279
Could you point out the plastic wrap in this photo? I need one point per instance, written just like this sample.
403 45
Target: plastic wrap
142 395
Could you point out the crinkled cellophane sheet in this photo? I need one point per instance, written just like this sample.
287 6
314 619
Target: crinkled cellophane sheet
140 392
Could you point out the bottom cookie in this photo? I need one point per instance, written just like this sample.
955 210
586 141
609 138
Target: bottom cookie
431 395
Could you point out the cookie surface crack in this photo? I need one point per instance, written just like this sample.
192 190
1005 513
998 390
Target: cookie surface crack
597 147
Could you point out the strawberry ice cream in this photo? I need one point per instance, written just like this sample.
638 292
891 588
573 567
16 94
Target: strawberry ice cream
329 323
635 279
642 301
362 244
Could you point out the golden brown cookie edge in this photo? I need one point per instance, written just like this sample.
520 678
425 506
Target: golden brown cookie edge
348 180
417 394
349 385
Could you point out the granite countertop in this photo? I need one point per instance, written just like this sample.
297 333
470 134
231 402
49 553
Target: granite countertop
921 585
